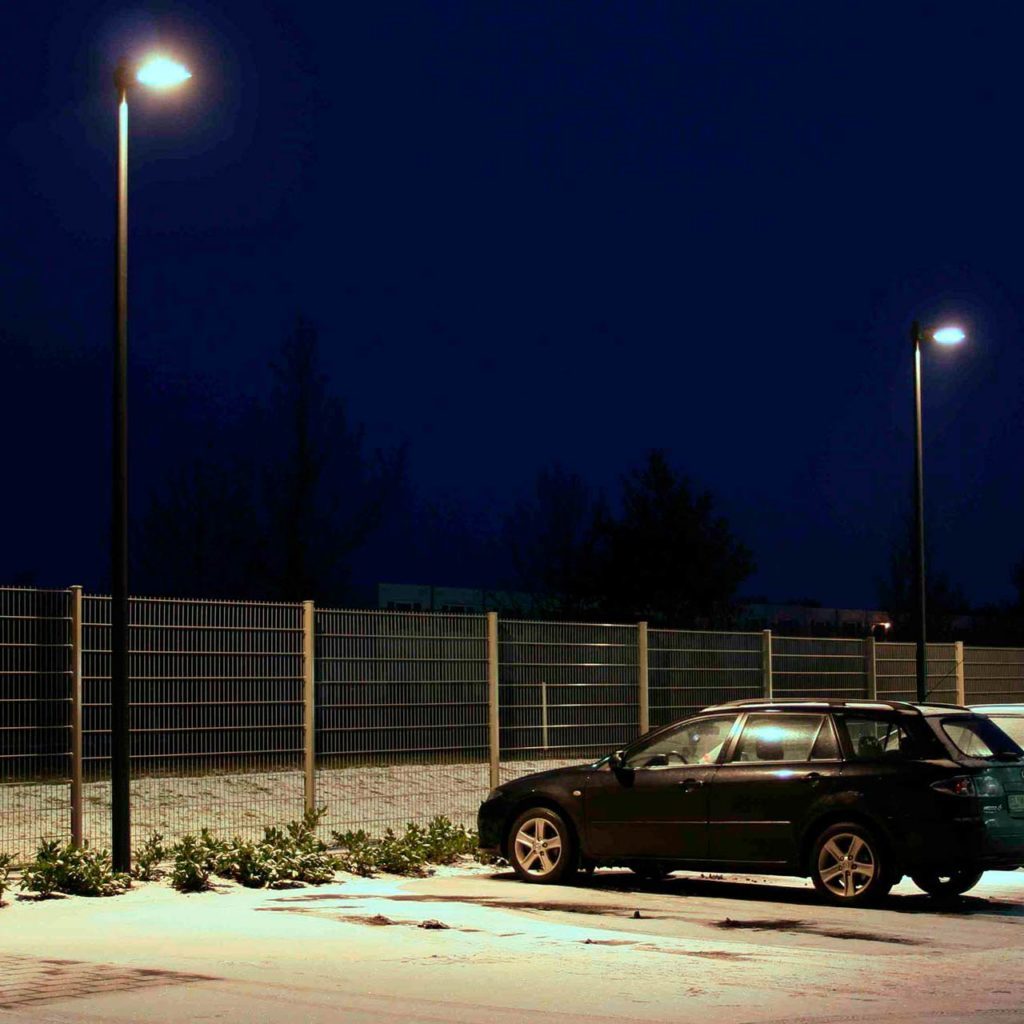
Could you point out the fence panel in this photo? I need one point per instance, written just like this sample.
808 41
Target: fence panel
941 674
216 716
689 670
401 717
35 717
818 667
896 671
994 675
568 692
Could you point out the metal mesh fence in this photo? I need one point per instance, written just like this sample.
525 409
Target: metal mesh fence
895 671
216 716
994 675
688 670
941 673
35 717
568 692
401 706
818 667
401 717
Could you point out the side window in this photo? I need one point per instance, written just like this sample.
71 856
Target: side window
698 741
778 738
826 747
873 737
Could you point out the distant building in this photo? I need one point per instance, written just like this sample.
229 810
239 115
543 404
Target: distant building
807 620
417 597
792 619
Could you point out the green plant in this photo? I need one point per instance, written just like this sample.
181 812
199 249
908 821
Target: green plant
446 842
439 842
147 860
76 870
5 871
356 852
192 867
281 857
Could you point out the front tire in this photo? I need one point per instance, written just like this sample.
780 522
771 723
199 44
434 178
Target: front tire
541 847
954 884
848 865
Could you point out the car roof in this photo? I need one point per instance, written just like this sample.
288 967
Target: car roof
834 703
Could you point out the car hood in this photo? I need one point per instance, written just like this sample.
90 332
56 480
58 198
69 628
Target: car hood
529 781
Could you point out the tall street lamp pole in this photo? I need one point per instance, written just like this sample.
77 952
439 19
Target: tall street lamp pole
943 336
157 72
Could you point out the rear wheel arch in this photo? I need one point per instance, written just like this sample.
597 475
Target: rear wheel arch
834 816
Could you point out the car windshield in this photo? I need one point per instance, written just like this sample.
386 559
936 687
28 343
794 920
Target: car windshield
979 737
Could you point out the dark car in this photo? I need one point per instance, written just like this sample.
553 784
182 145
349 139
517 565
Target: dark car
854 794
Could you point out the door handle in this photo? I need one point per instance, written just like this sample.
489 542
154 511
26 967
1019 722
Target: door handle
690 784
813 778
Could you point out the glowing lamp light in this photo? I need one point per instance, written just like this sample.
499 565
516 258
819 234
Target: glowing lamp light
949 335
162 73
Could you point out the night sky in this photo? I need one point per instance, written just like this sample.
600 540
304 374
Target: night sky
532 232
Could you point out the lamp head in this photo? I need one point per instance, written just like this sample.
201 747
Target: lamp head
155 72
160 72
949 335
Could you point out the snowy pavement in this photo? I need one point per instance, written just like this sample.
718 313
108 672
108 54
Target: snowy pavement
731 949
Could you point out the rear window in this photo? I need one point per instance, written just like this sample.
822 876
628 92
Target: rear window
979 737
1012 725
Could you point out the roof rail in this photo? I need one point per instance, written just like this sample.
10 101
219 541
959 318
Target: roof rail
828 701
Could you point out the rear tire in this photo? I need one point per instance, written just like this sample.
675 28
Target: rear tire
541 847
954 884
848 865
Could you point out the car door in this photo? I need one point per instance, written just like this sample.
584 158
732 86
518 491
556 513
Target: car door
655 804
780 764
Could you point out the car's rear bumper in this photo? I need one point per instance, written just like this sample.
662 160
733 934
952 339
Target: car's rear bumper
967 842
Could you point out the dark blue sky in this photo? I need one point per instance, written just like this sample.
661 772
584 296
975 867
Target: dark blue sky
529 232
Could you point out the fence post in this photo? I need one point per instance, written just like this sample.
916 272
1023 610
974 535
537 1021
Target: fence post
961 690
492 695
766 663
76 715
309 705
544 714
870 676
643 678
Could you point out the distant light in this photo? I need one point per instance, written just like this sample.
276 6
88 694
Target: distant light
162 73
886 625
949 335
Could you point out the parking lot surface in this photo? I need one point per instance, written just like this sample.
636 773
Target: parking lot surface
473 944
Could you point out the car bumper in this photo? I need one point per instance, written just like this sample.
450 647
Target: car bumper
970 842
492 823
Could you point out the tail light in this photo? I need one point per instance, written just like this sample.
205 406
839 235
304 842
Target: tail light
960 785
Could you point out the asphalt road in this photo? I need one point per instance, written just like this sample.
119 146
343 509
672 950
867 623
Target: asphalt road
611 948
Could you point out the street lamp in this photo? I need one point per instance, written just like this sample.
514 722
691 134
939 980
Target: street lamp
160 73
949 335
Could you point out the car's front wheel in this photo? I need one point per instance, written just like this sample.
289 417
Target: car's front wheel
848 865
954 884
541 847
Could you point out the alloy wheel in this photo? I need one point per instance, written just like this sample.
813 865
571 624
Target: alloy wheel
538 846
846 865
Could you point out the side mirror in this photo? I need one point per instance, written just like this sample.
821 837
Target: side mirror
615 760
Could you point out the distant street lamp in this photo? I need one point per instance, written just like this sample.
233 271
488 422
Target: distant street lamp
158 73
942 336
